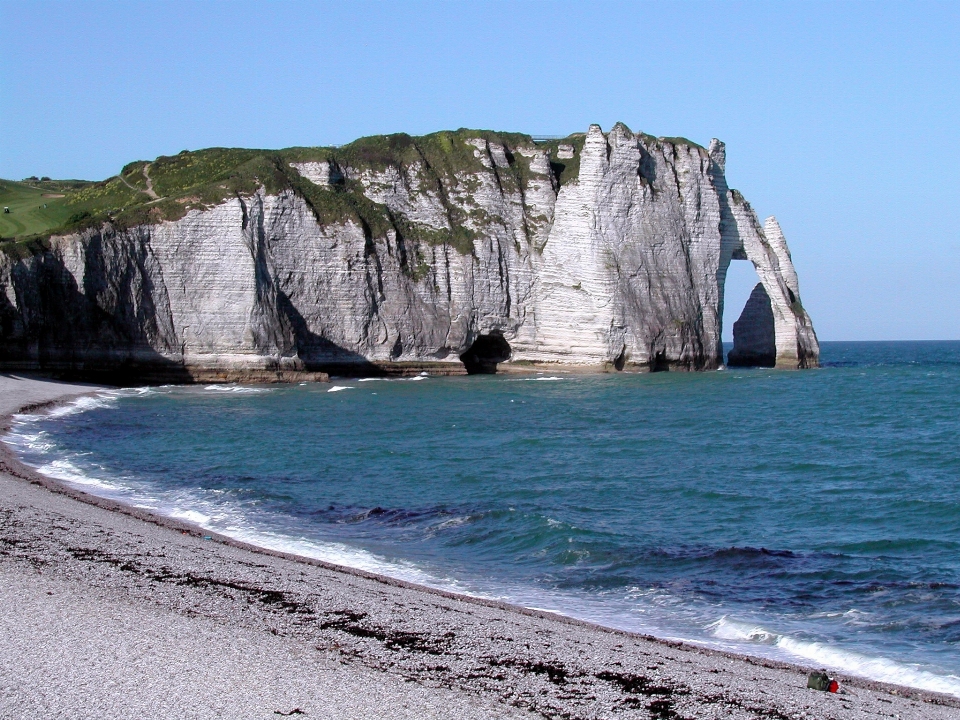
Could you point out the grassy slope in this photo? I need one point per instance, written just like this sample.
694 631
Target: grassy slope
208 177
26 201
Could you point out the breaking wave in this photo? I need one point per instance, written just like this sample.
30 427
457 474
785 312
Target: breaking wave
832 657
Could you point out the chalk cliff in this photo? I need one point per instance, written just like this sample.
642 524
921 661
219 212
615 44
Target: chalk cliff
604 250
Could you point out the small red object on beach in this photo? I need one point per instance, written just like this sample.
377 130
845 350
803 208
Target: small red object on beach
834 686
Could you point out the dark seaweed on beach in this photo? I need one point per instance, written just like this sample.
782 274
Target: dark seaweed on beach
639 684
555 672
352 623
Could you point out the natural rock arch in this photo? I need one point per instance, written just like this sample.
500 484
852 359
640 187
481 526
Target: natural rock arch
773 315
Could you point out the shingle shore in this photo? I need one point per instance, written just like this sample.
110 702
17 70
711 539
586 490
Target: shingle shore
110 612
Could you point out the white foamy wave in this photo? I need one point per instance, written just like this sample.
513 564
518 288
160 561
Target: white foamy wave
546 378
141 391
875 668
20 439
65 470
236 389
192 516
727 629
454 522
338 388
836 658
81 404
421 376
106 399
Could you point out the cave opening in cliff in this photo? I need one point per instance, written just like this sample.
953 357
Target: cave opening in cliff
659 363
486 353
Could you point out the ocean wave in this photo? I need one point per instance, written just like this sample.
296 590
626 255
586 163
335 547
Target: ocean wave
733 553
106 399
415 378
26 440
20 439
213 513
430 517
341 554
547 378
234 521
83 404
834 657
192 516
338 388
236 389
65 470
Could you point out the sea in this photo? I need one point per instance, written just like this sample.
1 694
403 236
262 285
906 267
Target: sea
811 517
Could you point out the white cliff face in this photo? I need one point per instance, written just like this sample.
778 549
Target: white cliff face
622 266
629 272
322 173
796 343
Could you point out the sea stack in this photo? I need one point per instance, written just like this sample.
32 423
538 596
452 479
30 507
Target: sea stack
458 251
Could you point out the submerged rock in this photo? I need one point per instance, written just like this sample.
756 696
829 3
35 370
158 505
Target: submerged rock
463 250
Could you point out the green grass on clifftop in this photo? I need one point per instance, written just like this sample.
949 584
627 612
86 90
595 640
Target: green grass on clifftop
167 188
35 207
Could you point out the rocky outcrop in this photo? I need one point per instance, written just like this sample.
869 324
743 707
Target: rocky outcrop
773 314
754 334
606 250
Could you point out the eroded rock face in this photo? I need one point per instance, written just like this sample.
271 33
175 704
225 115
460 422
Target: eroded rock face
621 266
754 333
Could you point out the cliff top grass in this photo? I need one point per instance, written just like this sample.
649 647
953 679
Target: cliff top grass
35 206
149 192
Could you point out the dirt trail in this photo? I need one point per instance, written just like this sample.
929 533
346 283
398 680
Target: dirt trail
146 175
149 190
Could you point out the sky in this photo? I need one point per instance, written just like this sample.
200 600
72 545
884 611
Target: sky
840 118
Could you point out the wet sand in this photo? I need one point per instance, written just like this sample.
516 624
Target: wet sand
112 612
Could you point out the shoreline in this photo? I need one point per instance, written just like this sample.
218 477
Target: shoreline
717 690
173 370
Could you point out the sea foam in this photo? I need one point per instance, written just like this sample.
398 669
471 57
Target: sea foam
834 657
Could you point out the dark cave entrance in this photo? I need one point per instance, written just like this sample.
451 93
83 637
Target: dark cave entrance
486 352
659 363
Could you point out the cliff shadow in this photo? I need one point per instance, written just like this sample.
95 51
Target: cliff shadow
320 354
61 332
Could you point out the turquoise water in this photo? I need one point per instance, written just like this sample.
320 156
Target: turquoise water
810 516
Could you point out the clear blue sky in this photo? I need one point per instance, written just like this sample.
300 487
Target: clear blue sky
840 118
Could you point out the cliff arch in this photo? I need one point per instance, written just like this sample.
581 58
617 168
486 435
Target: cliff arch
774 301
